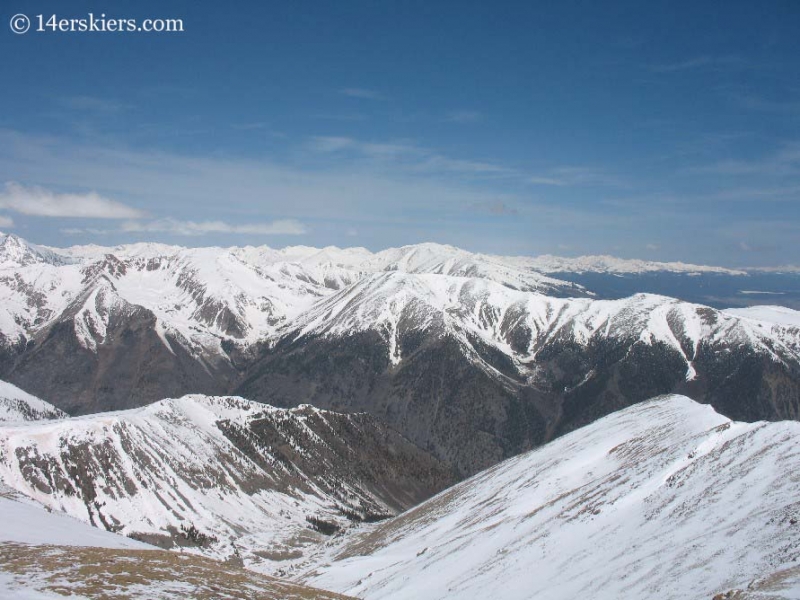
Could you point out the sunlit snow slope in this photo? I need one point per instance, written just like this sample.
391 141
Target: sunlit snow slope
665 500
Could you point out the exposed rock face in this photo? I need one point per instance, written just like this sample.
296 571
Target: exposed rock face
104 353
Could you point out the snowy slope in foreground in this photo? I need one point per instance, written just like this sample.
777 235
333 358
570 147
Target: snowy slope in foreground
18 405
666 499
24 522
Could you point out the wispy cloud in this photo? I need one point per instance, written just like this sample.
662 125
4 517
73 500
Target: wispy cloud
750 247
392 192
88 230
464 116
343 179
6 221
496 207
362 93
768 105
701 62
574 176
444 163
194 228
541 180
40 202
250 126
331 143
412 157
354 118
783 162
93 104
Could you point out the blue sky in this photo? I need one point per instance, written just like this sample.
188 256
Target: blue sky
665 131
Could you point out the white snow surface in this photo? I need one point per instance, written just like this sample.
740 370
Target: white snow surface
666 499
24 521
19 405
10 587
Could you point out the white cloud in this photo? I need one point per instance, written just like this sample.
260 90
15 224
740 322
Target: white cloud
40 202
652 246
192 228
6 221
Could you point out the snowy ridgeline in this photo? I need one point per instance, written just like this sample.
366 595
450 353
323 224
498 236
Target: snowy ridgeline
200 295
665 499
208 299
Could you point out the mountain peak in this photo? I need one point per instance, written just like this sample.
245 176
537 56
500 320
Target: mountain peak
16 251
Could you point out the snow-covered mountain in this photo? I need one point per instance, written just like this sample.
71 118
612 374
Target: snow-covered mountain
477 372
477 308
204 296
473 357
221 476
48 555
188 318
666 499
18 405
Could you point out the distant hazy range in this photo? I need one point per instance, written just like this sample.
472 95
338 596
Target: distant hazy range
719 290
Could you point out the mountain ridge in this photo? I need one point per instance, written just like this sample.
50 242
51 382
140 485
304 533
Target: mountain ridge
220 476
663 499
470 357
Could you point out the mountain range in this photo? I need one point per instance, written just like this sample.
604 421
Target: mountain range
474 358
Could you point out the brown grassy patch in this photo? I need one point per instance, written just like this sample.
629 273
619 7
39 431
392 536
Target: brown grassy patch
104 574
